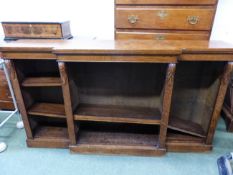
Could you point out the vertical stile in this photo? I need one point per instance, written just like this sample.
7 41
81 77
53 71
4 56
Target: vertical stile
72 128
219 101
166 103
19 98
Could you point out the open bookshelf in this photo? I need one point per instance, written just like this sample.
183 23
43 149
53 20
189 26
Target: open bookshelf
41 89
133 108
128 94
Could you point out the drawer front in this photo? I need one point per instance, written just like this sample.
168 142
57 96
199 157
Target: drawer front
4 90
167 2
4 93
180 18
33 30
162 35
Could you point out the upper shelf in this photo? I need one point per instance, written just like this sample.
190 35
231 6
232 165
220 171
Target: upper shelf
117 114
41 81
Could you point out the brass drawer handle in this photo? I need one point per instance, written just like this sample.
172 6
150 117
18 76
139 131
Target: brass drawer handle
193 20
132 19
160 37
162 14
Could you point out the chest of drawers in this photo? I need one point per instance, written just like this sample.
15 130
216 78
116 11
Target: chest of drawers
5 97
159 20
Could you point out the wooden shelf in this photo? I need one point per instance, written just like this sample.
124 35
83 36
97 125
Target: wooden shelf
41 81
47 109
175 137
117 114
186 143
52 137
186 126
117 143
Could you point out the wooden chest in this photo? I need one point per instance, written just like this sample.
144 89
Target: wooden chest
41 30
164 19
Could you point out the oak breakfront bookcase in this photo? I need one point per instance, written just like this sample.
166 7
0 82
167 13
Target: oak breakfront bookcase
131 97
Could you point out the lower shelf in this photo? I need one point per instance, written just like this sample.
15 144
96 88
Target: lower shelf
117 143
100 142
49 137
186 143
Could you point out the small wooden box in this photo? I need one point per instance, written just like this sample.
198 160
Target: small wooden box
36 30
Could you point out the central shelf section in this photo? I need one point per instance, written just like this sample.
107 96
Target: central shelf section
117 114
118 107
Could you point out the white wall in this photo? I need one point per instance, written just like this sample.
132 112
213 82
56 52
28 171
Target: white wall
88 17
223 25
95 18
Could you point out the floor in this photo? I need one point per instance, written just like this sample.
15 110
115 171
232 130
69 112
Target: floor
18 159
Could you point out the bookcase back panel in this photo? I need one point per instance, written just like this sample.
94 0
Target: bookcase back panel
123 84
42 95
36 68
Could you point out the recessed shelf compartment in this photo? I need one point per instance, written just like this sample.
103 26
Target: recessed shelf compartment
41 81
37 71
115 138
194 95
117 114
186 126
35 95
52 132
119 92
48 132
47 109
49 136
117 143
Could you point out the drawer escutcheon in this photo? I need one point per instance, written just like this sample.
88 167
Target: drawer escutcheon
132 19
193 20
160 37
162 14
